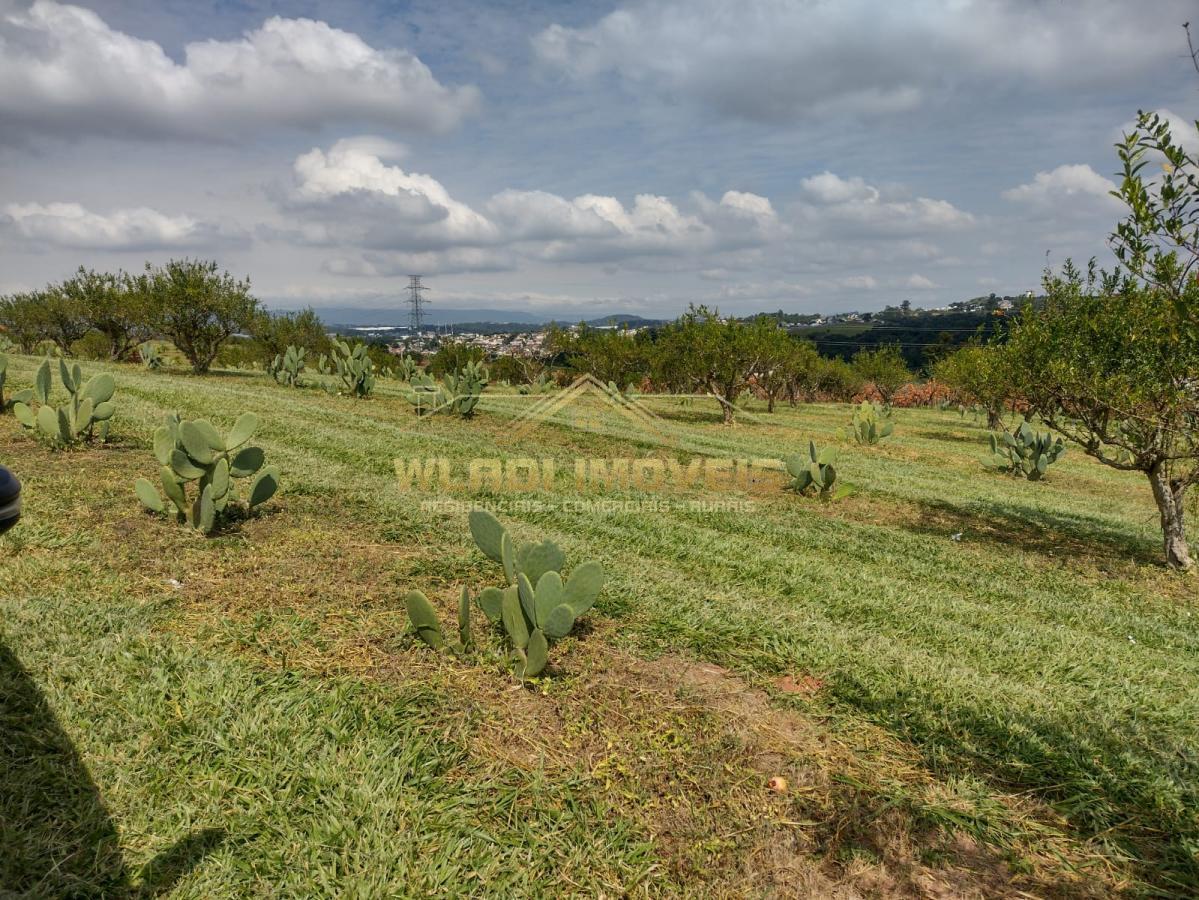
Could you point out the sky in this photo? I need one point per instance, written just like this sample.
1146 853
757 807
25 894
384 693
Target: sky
578 159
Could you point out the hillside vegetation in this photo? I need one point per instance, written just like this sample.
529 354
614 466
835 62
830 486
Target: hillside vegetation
969 684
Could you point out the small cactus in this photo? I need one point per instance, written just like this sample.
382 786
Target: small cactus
193 451
83 418
354 368
814 471
535 608
287 366
870 424
1024 452
151 356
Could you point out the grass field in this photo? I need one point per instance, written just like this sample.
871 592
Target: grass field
973 686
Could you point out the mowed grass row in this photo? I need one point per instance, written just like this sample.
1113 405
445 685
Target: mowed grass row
1041 650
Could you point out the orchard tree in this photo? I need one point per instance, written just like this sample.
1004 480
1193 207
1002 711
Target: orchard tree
61 316
113 305
884 368
198 307
978 373
274 332
21 321
701 351
784 361
1112 360
614 355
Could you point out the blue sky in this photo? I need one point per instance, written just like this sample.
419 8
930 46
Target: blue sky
578 158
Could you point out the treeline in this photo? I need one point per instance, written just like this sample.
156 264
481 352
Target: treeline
703 352
191 303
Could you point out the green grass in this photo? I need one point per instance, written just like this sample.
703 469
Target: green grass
1031 686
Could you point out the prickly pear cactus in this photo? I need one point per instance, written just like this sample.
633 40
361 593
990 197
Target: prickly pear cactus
814 472
870 424
287 366
1024 452
354 368
538 606
84 418
193 452
151 356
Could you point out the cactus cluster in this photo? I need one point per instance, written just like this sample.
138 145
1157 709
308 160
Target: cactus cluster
535 608
457 393
814 471
287 367
1024 452
464 388
150 356
19 397
354 368
543 385
194 452
870 424
84 417
405 368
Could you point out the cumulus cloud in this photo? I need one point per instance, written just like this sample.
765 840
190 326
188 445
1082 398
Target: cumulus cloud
64 70
1064 182
774 60
349 195
72 225
920 283
831 203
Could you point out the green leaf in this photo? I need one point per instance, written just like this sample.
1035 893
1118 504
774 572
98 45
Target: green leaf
514 620
488 533
264 486
243 430
183 466
491 601
246 462
164 443
537 654
424 619
559 622
547 596
41 382
148 496
583 586
100 388
194 442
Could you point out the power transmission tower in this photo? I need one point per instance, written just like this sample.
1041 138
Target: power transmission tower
416 304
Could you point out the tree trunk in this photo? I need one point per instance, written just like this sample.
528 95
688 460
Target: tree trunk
1169 496
994 419
770 403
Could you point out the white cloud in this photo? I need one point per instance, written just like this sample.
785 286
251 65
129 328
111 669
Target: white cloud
367 202
71 225
774 60
1064 182
64 70
834 204
920 283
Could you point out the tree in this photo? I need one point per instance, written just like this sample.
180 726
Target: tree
703 352
199 308
884 368
613 355
978 373
116 306
61 316
274 332
1112 360
22 322
453 357
784 361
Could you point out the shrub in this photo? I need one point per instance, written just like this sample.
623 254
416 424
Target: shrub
815 471
536 607
83 418
354 368
1024 452
870 424
193 452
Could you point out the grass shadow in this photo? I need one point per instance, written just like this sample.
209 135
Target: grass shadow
1033 530
57 838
